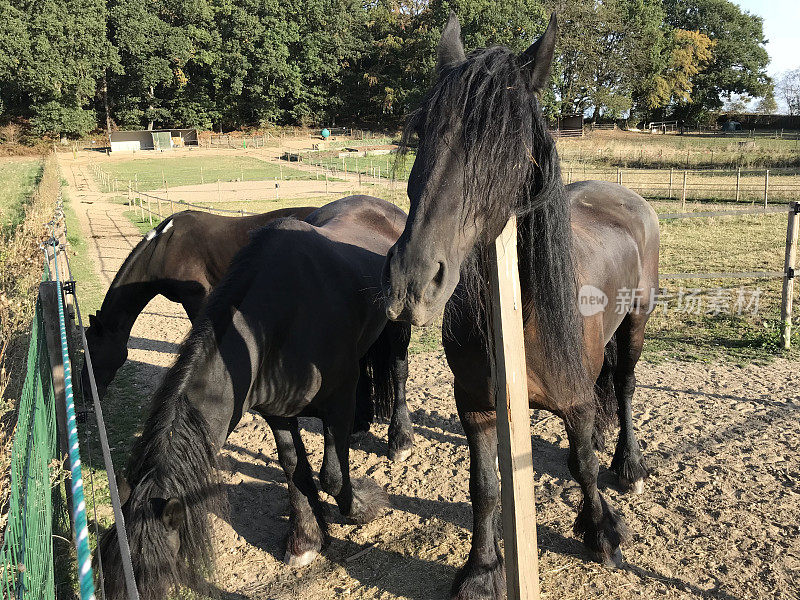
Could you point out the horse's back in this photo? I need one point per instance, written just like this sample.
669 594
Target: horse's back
365 221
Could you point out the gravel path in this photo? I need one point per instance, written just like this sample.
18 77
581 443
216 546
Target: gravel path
719 517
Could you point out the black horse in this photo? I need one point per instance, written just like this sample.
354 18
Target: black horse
484 154
283 335
183 259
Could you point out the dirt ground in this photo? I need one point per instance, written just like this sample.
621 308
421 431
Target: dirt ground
720 516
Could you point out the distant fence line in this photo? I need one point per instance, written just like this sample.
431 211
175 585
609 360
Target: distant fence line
734 185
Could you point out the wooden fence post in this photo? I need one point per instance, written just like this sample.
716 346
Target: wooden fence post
129 192
738 181
683 200
202 177
670 183
149 211
326 182
788 273
766 187
513 420
619 176
49 297
276 188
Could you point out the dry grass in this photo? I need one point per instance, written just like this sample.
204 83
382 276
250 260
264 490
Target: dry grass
628 149
20 273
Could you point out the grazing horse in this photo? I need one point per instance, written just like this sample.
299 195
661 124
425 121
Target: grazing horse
182 259
185 256
282 334
484 154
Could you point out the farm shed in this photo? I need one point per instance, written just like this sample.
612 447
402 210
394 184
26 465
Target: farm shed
145 139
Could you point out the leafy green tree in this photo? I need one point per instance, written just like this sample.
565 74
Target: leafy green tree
160 43
53 53
609 54
739 57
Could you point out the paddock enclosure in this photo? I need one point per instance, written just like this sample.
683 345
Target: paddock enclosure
715 409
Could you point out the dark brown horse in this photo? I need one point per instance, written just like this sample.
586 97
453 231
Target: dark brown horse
183 259
484 154
283 334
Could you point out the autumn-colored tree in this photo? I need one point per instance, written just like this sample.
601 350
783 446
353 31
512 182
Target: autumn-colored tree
690 54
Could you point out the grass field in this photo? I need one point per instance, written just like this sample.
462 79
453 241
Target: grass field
150 173
686 331
651 165
18 179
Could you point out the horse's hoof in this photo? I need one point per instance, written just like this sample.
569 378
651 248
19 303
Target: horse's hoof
359 436
300 560
612 562
634 487
399 454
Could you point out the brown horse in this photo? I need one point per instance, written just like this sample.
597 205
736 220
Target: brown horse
484 154
181 259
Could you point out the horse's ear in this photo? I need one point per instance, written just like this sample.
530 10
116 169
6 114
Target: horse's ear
173 514
539 57
123 487
451 50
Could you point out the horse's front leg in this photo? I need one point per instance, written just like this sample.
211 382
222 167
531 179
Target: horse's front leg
307 533
602 529
401 432
482 576
360 500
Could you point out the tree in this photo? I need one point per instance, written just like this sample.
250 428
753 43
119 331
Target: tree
739 57
609 52
52 54
689 54
398 44
767 105
160 42
789 89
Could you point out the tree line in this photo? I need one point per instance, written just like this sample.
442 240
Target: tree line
68 67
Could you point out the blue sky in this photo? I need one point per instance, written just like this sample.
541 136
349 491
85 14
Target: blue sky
781 28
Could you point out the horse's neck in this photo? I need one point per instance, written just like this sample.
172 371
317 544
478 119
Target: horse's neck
125 300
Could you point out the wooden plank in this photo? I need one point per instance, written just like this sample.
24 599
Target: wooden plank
513 421
788 279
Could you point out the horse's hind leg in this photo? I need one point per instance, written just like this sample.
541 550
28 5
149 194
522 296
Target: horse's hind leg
601 528
482 576
401 432
360 500
628 462
308 529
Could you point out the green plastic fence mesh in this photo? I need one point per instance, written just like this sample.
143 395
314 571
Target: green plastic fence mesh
26 558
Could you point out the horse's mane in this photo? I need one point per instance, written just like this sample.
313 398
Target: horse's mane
511 167
176 457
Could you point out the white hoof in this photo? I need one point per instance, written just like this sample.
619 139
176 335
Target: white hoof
638 487
306 558
402 455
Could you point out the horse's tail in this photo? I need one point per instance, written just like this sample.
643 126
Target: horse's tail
605 395
379 369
